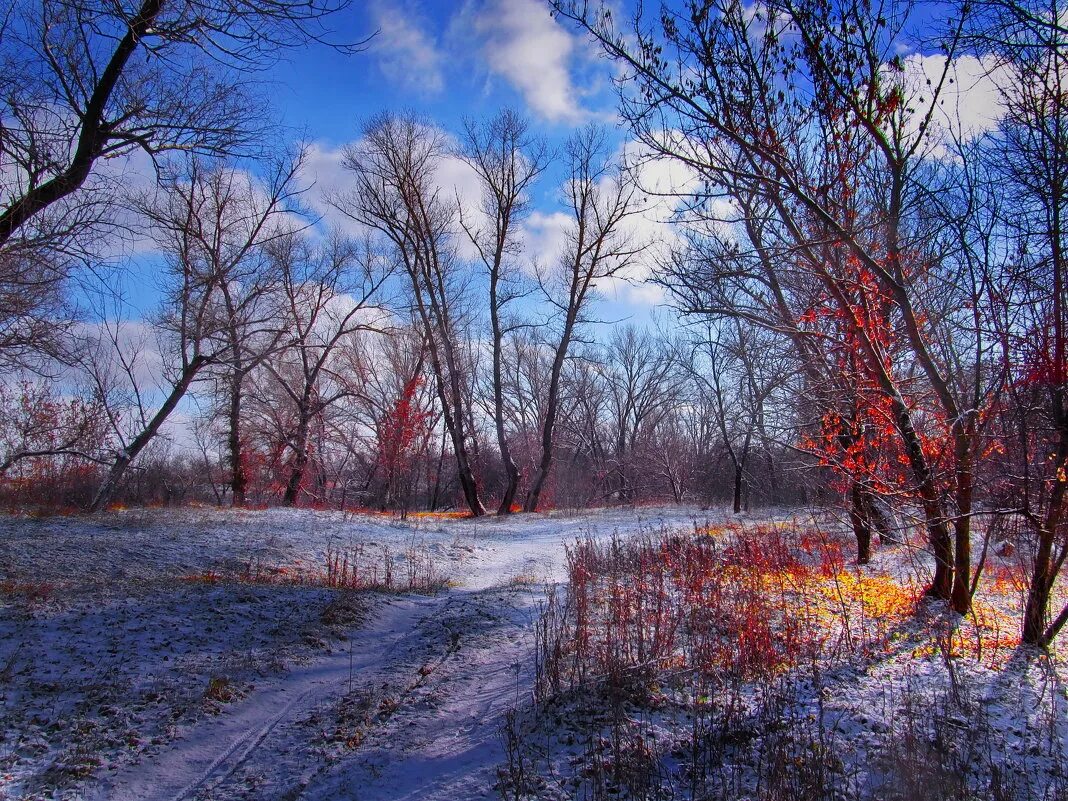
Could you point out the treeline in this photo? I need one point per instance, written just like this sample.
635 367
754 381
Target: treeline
881 187
638 424
869 271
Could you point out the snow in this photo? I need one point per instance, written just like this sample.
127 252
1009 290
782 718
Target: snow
110 652
131 668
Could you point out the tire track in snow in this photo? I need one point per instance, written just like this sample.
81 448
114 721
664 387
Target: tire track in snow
214 749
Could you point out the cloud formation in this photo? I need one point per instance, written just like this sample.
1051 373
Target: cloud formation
407 54
534 53
970 103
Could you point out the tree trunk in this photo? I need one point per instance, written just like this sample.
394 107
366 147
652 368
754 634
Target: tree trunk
737 486
534 493
511 488
300 461
546 461
962 527
510 470
1046 567
123 459
859 518
238 471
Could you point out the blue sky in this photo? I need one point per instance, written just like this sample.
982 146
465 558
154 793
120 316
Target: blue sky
446 61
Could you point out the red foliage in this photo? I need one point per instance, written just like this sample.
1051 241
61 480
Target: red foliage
401 426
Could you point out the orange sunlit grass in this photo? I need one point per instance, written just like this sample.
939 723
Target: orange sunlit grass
750 601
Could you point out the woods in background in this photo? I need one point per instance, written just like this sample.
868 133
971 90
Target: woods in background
867 284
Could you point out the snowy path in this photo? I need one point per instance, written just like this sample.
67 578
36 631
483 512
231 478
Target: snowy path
416 714
446 743
210 755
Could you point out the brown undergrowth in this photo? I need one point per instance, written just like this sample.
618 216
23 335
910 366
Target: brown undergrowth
738 662
359 567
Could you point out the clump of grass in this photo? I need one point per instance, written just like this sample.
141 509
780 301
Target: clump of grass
220 689
702 665
358 568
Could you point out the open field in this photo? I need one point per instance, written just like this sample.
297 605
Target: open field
642 653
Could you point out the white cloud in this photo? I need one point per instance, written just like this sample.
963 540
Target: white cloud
969 104
663 182
544 238
406 53
534 53
459 183
327 179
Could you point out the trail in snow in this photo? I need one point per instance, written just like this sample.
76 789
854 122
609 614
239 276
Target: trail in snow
411 708
210 754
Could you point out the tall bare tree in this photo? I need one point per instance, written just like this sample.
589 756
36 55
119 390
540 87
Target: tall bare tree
828 132
212 226
507 160
1022 175
397 194
600 197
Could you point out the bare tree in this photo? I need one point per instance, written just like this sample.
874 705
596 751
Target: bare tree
507 160
211 226
846 165
330 293
397 194
1022 177
228 219
643 384
37 424
398 409
600 197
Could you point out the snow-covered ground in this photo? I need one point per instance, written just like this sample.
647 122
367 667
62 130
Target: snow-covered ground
134 666
131 668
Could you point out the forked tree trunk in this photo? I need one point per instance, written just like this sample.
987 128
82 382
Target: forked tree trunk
300 461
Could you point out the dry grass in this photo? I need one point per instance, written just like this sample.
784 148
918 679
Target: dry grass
698 665
411 570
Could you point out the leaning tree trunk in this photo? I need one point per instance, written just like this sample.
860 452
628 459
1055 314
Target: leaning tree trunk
551 406
124 457
546 461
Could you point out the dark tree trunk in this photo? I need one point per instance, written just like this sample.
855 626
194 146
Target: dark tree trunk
859 517
123 459
300 461
238 468
545 464
737 487
962 552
